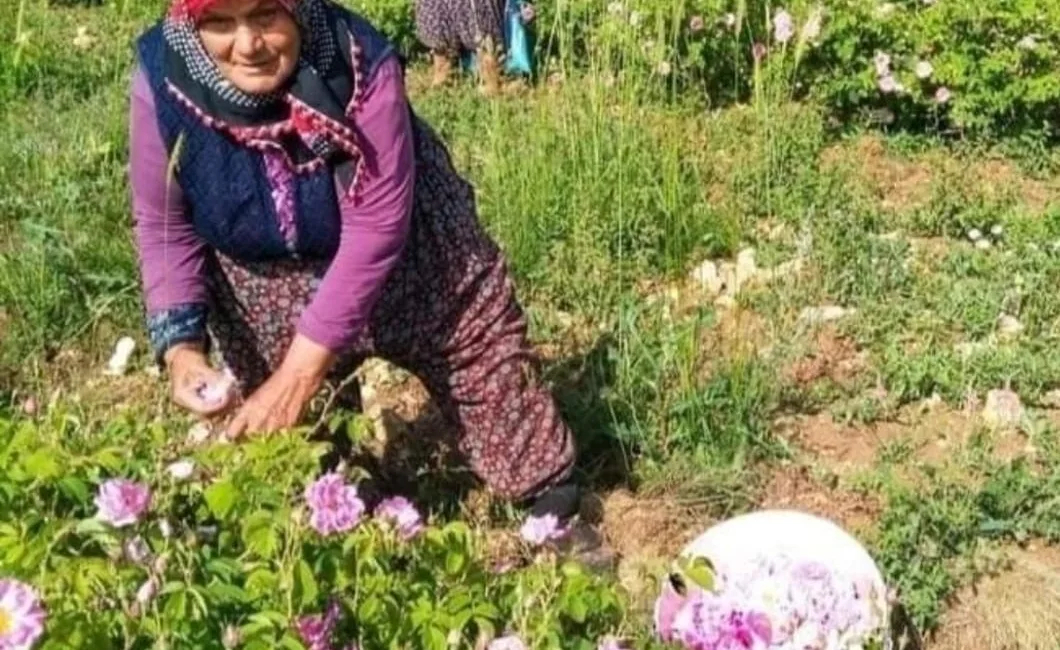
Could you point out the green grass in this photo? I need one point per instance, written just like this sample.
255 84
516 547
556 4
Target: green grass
596 190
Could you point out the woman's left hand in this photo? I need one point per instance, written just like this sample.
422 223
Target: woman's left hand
281 401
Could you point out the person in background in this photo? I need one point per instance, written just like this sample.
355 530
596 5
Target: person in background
452 28
294 214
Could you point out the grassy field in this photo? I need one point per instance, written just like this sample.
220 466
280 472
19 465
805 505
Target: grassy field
873 297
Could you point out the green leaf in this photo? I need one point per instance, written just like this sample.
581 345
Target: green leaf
220 498
577 609
222 592
277 619
224 568
74 488
109 457
434 639
305 585
261 582
177 606
455 561
699 570
291 643
260 535
91 526
42 464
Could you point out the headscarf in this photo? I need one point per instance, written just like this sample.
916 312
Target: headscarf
305 119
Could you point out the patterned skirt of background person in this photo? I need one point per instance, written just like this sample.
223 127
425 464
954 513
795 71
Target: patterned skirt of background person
453 26
448 314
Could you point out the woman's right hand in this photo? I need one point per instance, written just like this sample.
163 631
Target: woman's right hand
196 385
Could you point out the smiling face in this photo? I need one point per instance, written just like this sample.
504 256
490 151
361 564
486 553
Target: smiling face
255 43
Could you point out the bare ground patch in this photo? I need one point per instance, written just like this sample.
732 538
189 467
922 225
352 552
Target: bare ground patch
830 356
927 433
903 183
795 486
1016 609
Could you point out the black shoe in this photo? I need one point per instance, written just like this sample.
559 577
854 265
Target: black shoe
563 501
582 543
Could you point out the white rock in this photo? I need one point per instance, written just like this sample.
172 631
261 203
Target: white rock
975 234
983 244
706 276
1051 400
199 433
725 302
1003 409
181 470
746 268
1008 326
367 393
119 361
811 316
931 403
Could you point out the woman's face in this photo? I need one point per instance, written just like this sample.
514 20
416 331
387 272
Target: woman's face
255 43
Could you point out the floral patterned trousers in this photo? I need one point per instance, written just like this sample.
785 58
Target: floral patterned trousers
448 314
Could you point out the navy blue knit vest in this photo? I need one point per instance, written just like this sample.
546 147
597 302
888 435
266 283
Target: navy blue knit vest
227 194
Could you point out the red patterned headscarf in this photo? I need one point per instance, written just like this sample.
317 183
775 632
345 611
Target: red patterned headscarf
324 89
194 9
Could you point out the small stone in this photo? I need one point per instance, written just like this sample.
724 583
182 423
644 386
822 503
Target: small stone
997 230
975 234
811 316
29 406
983 244
119 361
232 637
966 349
199 433
1051 400
82 40
725 302
367 393
931 403
727 273
746 268
1008 326
1003 409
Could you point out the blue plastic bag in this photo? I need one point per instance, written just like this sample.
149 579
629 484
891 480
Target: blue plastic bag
518 44
519 50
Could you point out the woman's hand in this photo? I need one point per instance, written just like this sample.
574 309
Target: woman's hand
195 385
281 401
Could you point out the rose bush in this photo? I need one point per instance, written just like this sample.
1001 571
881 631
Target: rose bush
984 69
102 546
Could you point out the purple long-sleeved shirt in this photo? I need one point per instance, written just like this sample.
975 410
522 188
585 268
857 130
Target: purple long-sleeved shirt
373 233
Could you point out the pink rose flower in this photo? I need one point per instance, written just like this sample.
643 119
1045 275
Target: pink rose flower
611 643
316 630
538 530
888 84
783 27
137 551
121 502
510 642
402 514
21 615
335 506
